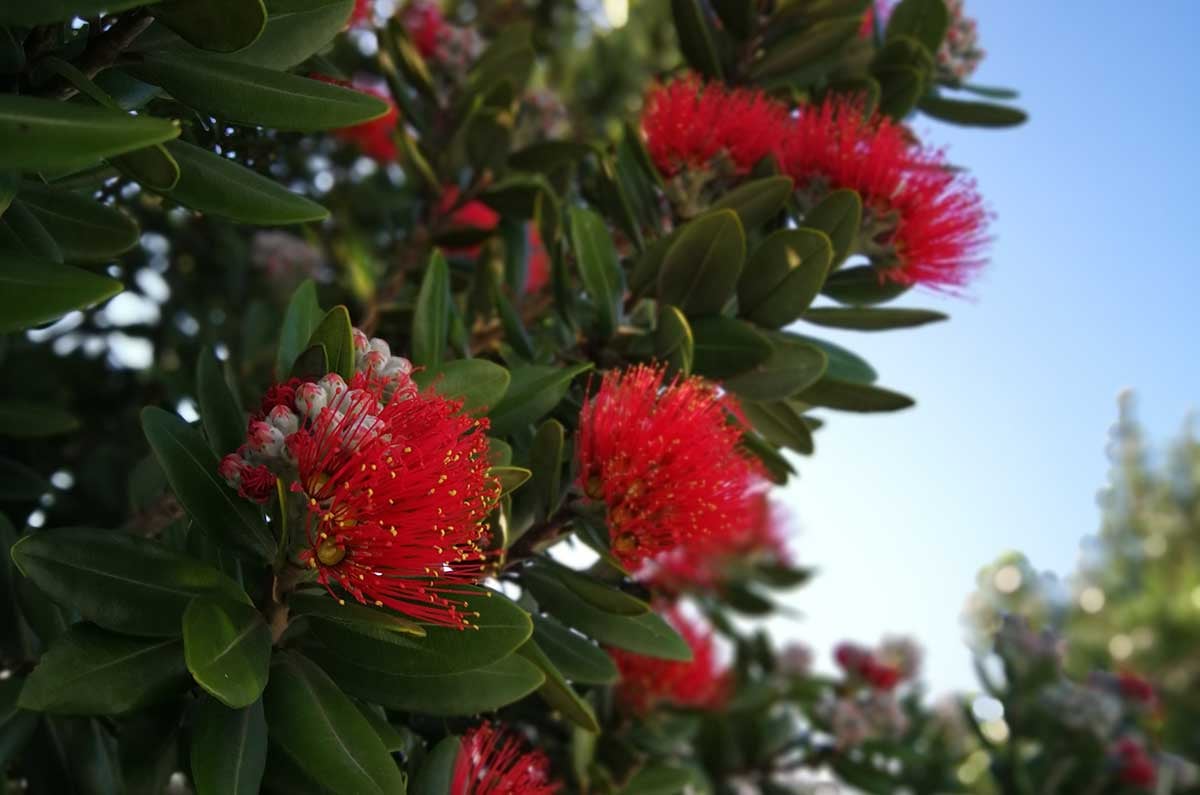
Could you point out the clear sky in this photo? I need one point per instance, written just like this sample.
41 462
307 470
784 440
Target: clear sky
1093 288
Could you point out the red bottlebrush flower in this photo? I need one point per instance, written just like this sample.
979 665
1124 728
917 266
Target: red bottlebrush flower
425 25
258 484
538 275
1135 688
1135 767
495 762
398 493
863 664
925 224
375 138
361 13
278 395
472 214
649 682
850 656
880 675
664 459
689 124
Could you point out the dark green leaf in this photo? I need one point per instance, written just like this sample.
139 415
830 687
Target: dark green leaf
548 156
245 94
191 469
972 114
25 420
700 271
726 347
301 319
16 724
658 779
229 748
924 20
511 478
85 230
22 232
479 383
9 182
321 605
437 772
215 25
784 276
844 365
224 423
839 216
862 285
295 30
19 483
579 659
807 50
848 396
121 582
991 92
319 729
546 461
431 317
31 14
696 37
44 134
532 393
210 183
88 671
900 90
673 341
227 646
152 166
595 593
871 319
598 265
791 367
557 692
738 16
335 334
34 292
758 201
780 424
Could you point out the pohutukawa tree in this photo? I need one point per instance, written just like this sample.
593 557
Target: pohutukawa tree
394 391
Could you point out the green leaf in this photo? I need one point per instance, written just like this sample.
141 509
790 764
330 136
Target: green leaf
598 265
848 396
244 94
791 367
295 31
673 341
210 183
215 25
224 423
862 285
465 693
595 593
85 230
991 92
437 771
900 90
9 182
314 725
546 461
726 347
924 20
696 37
23 419
431 317
479 383
23 233
321 605
871 319
647 634
511 478
300 320
34 292
557 692
700 271
19 483
88 671
808 50
227 646
532 393
118 581
229 748
191 469
780 424
498 628
152 166
972 114
547 157
784 276
335 334
16 724
578 658
31 14
47 135
844 365
659 779
738 16
758 201
839 215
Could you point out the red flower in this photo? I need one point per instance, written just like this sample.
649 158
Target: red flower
278 395
689 125
862 663
494 762
375 138
361 13
1135 767
425 25
649 682
472 214
664 459
1135 688
398 493
925 223
538 275
253 482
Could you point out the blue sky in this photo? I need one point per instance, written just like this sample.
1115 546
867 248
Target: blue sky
1093 288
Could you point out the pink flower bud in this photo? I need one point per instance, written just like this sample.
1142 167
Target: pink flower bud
310 399
263 440
231 469
284 419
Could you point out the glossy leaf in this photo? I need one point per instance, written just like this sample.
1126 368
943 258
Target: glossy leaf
227 646
791 367
479 383
872 319
784 276
557 692
210 183
546 461
700 270
598 265
34 292
300 320
862 285
85 230
335 334
321 605
16 724
808 49
838 215
229 748
437 771
844 365
88 671
924 20
757 201
578 658
511 478
191 469
22 233
224 423
152 167
696 37
431 317
848 396
673 340
10 181
532 393
214 25
30 14
658 779
725 346
44 134
972 114
118 581
780 424
312 722
597 594
295 31
23 419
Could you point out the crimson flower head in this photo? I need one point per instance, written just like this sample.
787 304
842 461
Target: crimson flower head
690 125
664 458
1135 766
375 138
922 223
398 492
460 215
494 761
361 13
1135 688
866 666
425 25
649 682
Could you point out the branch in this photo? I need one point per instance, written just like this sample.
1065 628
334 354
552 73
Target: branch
103 50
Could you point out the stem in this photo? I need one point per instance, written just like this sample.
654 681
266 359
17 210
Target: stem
103 50
277 609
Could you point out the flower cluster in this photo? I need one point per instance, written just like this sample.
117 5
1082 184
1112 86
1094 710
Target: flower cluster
895 661
453 49
473 215
494 761
376 138
394 482
960 54
923 223
1135 766
648 683
664 458
865 706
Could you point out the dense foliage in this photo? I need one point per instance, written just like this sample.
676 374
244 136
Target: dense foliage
393 393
